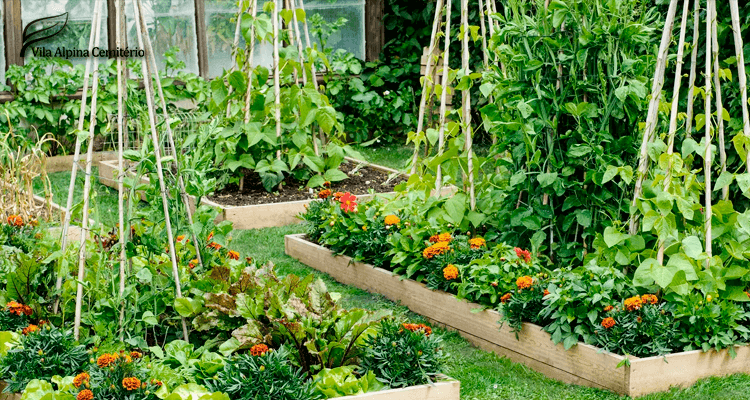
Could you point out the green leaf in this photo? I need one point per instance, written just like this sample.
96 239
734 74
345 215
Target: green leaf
547 178
455 207
334 175
725 179
692 247
613 237
610 173
149 318
187 307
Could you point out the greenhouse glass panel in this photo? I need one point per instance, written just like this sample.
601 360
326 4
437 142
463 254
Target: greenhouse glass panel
221 22
170 23
76 33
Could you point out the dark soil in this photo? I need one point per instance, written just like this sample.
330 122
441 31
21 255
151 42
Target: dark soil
292 190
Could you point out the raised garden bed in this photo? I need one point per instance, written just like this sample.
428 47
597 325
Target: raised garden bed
65 163
8 396
254 216
446 390
583 364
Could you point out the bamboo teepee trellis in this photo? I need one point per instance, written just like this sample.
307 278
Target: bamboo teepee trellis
148 66
711 75
485 9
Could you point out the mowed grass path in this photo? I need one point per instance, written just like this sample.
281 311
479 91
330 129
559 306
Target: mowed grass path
483 375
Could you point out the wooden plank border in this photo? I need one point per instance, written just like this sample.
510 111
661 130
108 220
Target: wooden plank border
259 215
448 390
583 364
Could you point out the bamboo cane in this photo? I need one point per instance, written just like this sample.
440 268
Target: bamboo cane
235 50
286 4
653 110
707 154
87 183
298 40
734 9
76 155
443 94
147 79
673 113
249 60
313 71
276 79
693 72
719 102
426 90
466 102
120 162
170 136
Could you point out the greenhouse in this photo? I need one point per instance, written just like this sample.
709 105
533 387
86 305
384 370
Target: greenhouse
374 199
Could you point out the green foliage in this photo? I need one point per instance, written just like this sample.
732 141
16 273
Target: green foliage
342 381
648 331
400 357
524 305
122 379
266 377
42 354
706 323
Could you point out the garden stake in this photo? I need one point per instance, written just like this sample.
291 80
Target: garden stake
653 110
693 66
298 39
428 75
276 88
76 159
292 40
121 88
466 102
87 179
719 105
249 61
740 69
443 94
673 113
170 137
312 69
235 50
707 154
148 83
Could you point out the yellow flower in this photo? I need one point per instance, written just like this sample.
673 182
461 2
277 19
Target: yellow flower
392 220
633 303
450 272
436 249
477 243
524 282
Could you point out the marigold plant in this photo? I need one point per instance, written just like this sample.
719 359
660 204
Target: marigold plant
436 249
15 220
633 303
233 255
608 322
214 245
418 328
81 379
105 360
450 272
392 220
29 329
523 254
649 299
443 237
324 194
504 298
259 350
524 282
608 308
477 243
131 383
18 308
85 394
348 202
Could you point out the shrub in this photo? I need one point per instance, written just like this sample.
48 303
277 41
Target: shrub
403 355
43 353
263 377
116 376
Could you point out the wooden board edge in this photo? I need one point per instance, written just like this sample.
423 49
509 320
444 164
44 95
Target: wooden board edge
448 390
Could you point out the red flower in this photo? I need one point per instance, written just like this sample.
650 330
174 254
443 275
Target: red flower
523 254
348 202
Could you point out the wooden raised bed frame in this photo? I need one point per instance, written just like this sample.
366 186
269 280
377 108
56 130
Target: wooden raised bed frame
583 364
253 216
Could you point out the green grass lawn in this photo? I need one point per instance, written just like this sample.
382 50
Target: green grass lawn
483 375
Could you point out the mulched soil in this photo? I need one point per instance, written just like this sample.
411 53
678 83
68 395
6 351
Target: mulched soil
358 183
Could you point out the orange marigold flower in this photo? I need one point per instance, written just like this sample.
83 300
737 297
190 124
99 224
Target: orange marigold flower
633 303
477 243
29 329
450 272
436 249
608 308
327 184
443 237
608 322
131 383
180 238
392 220
214 245
505 297
15 220
523 254
233 255
649 299
524 282
136 355
324 194
105 360
80 379
210 236
193 263
85 394
419 328
337 196
348 202
249 260
259 350
17 308
546 292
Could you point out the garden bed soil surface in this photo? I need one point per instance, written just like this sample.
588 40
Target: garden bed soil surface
358 183
582 364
